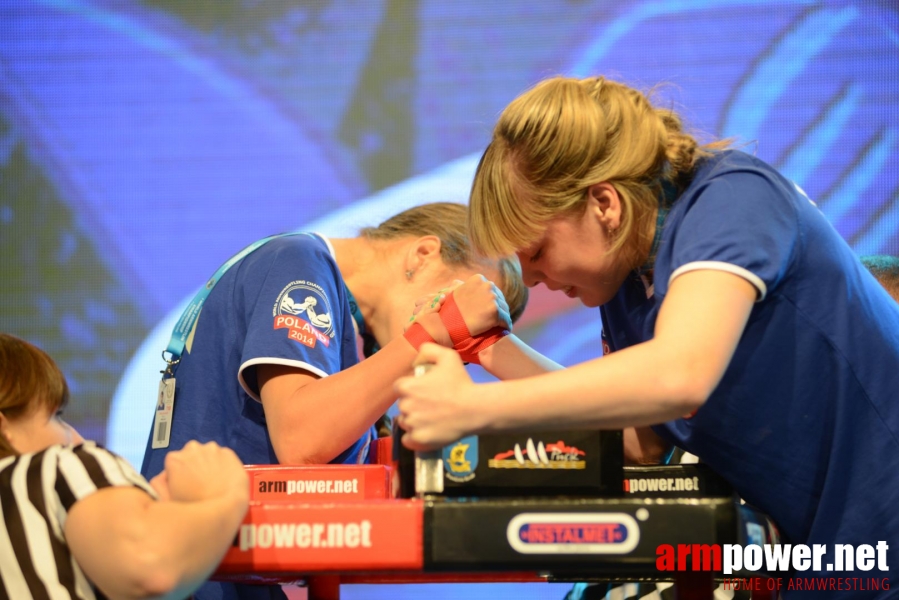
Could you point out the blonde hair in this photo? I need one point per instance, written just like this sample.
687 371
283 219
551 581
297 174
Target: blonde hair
562 136
448 222
29 381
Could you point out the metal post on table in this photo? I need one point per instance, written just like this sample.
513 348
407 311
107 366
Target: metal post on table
429 464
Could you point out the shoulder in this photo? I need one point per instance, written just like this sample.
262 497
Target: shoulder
739 215
70 472
307 245
740 175
729 162
32 463
288 253
88 467
733 184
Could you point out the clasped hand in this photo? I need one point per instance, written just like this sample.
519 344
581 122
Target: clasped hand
436 408
480 302
200 472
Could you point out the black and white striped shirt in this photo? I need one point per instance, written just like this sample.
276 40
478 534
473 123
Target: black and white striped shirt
36 492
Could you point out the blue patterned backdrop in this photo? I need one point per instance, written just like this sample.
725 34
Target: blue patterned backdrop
142 143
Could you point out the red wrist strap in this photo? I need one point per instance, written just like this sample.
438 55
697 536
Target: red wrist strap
453 321
467 346
418 335
471 347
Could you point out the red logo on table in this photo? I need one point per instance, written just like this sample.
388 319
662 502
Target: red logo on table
555 455
573 533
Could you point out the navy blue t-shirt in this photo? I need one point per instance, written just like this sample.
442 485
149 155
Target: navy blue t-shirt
285 303
805 421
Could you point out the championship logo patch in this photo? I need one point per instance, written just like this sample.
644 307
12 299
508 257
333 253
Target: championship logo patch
303 309
573 533
554 455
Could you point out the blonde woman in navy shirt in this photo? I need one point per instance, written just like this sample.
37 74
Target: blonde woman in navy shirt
744 329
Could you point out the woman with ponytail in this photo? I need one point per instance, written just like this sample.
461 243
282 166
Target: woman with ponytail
740 326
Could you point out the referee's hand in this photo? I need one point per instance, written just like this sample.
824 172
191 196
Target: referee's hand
203 471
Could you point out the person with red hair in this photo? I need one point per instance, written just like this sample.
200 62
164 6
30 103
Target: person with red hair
78 521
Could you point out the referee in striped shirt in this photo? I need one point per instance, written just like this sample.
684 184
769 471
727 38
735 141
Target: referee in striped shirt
79 522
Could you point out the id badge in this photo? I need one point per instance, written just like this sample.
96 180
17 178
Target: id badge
165 406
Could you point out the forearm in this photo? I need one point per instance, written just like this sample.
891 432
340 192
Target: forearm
318 421
697 331
638 386
192 538
132 546
510 358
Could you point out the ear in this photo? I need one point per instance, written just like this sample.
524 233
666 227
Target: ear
604 203
422 252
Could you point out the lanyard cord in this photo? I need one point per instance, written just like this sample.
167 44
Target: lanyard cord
369 343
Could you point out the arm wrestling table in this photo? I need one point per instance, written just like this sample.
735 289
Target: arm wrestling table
327 525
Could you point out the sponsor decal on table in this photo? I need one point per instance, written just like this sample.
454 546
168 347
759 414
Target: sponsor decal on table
554 455
321 537
662 484
573 533
461 459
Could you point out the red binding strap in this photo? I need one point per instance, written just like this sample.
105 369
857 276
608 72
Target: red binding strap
464 343
418 335
453 321
470 349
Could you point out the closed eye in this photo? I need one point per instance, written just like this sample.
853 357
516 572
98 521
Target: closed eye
536 255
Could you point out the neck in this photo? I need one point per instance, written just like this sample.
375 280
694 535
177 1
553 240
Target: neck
654 238
366 272
644 251
667 197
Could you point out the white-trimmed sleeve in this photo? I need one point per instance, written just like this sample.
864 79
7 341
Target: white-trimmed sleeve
745 223
294 305
714 265
299 364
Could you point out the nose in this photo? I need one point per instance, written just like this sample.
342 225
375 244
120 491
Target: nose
531 277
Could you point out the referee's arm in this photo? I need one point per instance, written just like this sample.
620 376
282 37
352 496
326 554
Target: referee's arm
133 546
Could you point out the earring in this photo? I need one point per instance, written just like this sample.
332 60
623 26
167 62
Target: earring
409 275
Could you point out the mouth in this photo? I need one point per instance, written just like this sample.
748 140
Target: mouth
569 291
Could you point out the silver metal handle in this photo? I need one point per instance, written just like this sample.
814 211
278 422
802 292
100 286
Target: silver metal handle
429 464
